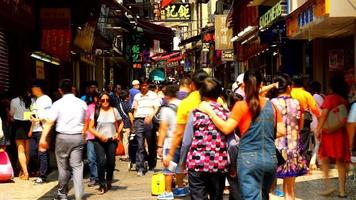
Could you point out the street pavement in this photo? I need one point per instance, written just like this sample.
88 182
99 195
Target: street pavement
128 186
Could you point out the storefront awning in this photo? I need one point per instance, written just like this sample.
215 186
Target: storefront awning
157 75
156 32
189 40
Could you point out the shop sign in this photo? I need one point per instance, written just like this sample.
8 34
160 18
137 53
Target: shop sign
280 9
306 17
57 42
84 38
227 55
223 34
136 53
40 71
18 11
175 12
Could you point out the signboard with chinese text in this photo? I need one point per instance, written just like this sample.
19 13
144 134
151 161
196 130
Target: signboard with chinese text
40 71
176 12
227 55
280 9
223 34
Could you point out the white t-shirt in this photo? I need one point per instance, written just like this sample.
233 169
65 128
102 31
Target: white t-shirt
169 116
69 113
106 122
41 108
352 114
17 108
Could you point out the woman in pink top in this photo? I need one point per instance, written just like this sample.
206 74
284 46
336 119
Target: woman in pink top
93 178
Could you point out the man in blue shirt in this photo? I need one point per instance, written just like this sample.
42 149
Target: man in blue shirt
134 90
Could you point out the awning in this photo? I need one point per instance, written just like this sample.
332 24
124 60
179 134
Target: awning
157 75
156 32
189 40
175 59
166 57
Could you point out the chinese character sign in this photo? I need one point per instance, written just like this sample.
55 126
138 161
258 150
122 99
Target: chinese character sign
136 54
223 34
175 12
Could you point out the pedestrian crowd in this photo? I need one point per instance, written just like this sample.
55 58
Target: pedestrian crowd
238 140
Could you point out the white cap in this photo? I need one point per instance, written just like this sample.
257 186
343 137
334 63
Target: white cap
240 79
135 82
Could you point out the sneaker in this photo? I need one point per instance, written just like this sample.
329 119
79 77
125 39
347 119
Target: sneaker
61 197
39 180
92 183
278 193
180 192
166 196
140 173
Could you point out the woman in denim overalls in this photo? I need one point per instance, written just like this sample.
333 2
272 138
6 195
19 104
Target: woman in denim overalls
256 119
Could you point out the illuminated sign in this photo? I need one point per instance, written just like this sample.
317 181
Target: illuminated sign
176 12
278 10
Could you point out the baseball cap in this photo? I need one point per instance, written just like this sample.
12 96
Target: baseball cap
135 82
240 79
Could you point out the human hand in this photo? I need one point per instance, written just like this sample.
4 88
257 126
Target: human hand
160 151
148 120
205 107
167 160
43 144
103 138
318 133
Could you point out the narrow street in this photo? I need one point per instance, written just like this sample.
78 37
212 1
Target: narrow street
128 186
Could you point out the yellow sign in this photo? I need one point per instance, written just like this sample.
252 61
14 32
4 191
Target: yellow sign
176 12
223 34
40 71
271 15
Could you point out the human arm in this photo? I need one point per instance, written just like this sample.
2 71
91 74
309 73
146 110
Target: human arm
321 121
162 132
226 127
313 106
264 90
187 141
351 129
43 144
131 118
93 131
177 139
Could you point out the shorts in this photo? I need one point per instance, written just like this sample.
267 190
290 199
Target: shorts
175 159
21 129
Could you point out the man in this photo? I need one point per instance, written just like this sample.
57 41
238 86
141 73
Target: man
69 113
308 106
145 106
134 90
40 111
188 104
166 131
115 95
92 87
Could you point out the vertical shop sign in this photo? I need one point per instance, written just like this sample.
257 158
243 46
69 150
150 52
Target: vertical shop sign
136 53
223 34
84 38
336 60
40 71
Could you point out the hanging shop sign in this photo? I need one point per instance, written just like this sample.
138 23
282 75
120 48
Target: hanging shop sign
84 38
136 53
305 15
277 11
227 55
223 34
40 71
174 12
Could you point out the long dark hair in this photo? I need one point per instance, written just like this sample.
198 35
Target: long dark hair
25 97
98 106
338 85
253 80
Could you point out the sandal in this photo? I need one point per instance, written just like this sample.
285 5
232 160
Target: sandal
102 190
344 196
24 177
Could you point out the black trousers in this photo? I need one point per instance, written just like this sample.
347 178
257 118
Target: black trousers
202 184
105 160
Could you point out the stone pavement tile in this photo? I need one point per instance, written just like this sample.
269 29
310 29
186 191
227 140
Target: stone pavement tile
26 190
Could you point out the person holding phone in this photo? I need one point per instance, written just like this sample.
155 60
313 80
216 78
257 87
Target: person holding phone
105 125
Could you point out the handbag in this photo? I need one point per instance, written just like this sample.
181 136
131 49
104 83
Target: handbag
6 170
120 150
336 119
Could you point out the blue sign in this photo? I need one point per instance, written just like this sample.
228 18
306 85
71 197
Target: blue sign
306 17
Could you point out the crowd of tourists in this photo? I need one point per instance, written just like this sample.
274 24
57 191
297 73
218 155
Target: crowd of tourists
238 140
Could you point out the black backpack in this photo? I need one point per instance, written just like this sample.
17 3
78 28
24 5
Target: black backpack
157 118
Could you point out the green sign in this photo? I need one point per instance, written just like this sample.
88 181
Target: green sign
270 16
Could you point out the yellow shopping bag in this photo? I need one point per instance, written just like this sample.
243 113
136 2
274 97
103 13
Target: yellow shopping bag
157 184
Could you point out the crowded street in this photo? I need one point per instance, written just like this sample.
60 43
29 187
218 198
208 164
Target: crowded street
178 99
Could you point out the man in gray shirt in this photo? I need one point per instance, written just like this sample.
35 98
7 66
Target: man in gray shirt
69 113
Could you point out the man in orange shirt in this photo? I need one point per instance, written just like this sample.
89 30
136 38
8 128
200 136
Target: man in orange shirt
308 106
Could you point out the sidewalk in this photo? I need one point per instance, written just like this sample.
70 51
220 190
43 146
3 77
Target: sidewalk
128 186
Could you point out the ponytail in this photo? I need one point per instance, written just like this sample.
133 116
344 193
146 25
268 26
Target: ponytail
252 80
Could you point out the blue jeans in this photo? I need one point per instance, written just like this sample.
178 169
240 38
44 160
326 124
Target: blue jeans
37 156
92 161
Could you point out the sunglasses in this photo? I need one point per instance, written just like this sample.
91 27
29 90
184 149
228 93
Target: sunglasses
104 100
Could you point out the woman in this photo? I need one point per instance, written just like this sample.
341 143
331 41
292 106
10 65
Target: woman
93 177
105 125
256 119
289 145
207 159
18 107
334 146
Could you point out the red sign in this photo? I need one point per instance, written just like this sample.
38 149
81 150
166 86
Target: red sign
57 43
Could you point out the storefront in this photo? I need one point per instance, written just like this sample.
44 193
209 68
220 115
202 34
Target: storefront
330 26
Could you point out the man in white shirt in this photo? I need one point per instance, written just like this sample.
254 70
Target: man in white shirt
40 108
69 113
145 106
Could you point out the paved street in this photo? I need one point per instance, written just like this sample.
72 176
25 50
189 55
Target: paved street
129 186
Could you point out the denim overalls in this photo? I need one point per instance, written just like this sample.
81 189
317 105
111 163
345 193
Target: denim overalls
257 161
